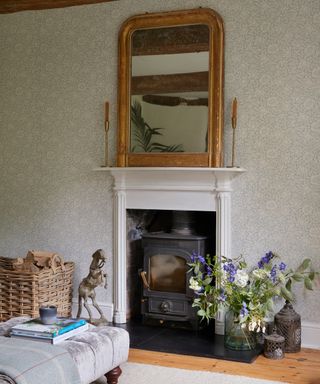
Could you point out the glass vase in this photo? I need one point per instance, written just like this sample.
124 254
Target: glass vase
237 335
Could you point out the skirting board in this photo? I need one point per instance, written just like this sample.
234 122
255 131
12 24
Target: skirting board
310 335
106 308
310 330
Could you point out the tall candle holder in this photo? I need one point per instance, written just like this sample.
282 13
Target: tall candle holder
234 126
106 136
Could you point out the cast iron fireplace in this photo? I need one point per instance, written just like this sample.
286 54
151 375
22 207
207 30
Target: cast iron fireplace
166 296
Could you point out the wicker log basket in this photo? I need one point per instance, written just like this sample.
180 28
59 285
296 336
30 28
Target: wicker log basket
40 279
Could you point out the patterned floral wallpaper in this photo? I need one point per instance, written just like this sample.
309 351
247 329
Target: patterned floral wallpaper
58 67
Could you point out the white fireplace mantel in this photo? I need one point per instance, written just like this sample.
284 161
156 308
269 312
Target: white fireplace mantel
187 189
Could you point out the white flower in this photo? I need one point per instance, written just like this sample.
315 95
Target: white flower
194 285
281 277
252 325
241 278
259 273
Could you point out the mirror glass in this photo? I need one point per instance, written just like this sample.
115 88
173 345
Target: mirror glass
170 99
169 89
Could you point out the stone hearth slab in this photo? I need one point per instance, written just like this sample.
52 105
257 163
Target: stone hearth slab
202 343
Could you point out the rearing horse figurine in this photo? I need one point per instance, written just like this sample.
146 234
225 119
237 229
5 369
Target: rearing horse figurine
87 286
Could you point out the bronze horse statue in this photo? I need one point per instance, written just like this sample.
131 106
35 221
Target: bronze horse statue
87 286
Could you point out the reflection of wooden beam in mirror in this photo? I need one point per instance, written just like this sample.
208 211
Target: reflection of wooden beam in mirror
179 82
172 101
178 39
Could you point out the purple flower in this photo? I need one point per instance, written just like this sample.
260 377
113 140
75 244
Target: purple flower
195 256
265 259
273 273
201 259
222 298
199 291
244 311
231 270
231 278
208 270
282 266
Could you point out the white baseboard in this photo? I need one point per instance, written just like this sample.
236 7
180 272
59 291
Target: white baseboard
106 308
310 337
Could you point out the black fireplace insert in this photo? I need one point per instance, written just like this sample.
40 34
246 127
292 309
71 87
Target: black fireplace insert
166 296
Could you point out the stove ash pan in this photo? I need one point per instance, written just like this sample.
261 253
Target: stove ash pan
166 296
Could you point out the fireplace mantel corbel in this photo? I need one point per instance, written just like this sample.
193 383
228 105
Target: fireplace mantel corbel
187 189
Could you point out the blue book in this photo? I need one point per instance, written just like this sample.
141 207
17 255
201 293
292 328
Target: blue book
36 327
49 339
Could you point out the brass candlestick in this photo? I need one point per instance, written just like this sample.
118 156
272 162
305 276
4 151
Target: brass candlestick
106 138
234 126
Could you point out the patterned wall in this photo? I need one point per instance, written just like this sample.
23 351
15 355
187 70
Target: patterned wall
59 66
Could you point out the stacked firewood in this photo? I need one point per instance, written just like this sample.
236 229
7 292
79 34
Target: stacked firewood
35 261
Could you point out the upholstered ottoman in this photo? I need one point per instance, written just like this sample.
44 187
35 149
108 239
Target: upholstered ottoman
96 352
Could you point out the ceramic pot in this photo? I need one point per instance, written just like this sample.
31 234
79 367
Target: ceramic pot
48 314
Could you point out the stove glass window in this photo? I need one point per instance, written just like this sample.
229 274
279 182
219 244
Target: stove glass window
167 273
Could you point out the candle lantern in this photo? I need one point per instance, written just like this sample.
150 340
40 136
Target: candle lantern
288 323
274 346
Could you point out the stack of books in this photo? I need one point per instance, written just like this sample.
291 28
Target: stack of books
61 330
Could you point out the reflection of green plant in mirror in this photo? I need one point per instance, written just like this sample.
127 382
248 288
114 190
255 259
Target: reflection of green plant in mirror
143 134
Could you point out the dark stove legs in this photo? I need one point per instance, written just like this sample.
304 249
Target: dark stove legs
113 375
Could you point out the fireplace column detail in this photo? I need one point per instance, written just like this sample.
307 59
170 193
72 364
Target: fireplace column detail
223 240
119 262
223 224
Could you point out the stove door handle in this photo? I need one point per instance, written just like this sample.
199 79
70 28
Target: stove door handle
143 275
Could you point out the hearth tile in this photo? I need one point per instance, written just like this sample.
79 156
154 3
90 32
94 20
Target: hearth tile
185 342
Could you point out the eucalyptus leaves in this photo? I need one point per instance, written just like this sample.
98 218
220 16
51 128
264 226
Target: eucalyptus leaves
304 273
248 293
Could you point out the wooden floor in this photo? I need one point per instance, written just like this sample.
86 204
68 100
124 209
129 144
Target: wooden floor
300 368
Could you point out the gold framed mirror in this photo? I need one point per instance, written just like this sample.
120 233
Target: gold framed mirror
170 97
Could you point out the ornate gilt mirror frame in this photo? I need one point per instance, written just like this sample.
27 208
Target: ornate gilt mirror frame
212 156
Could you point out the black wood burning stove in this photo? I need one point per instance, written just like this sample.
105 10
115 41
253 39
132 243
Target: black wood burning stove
166 296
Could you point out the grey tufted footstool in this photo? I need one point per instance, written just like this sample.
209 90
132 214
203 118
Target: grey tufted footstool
96 352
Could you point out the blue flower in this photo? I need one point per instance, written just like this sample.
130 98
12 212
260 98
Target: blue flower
231 270
195 256
199 291
201 259
231 278
222 298
282 266
273 273
265 259
244 311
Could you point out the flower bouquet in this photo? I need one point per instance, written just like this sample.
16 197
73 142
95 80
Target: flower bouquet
247 293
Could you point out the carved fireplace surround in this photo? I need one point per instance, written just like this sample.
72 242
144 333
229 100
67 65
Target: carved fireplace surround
185 189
